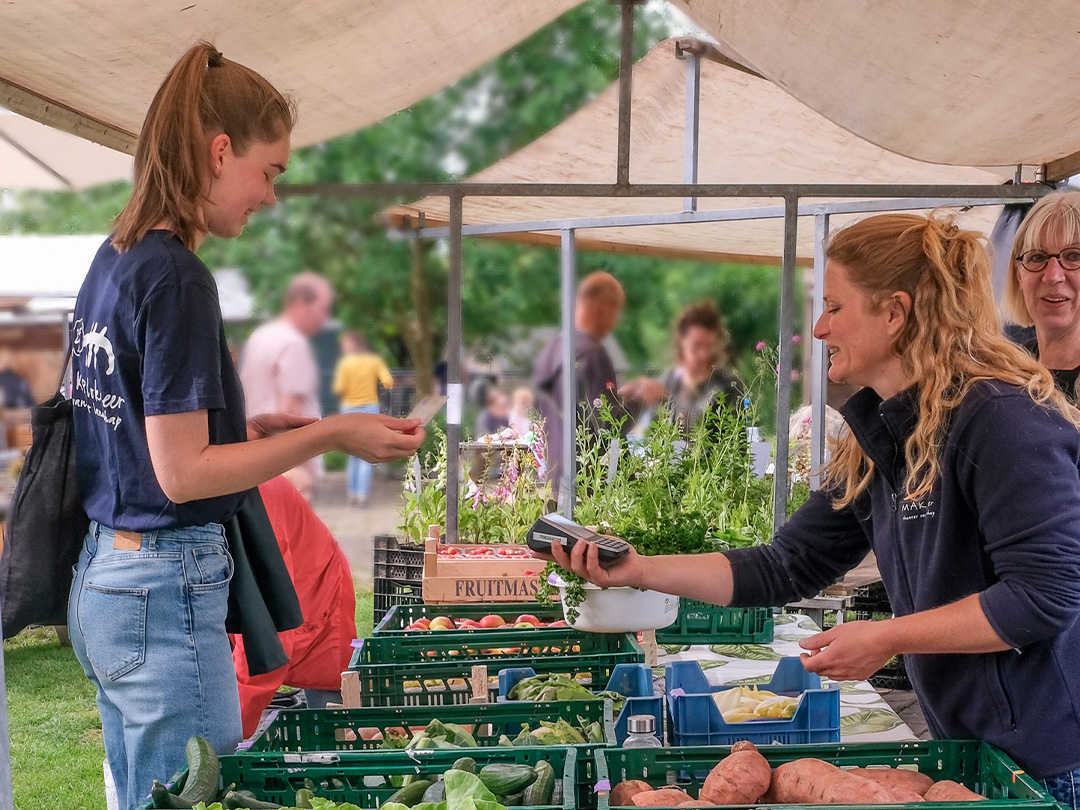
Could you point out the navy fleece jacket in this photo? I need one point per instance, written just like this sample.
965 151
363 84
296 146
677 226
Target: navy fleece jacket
1003 522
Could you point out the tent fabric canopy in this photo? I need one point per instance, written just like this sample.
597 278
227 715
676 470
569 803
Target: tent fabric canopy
33 155
751 132
978 82
91 68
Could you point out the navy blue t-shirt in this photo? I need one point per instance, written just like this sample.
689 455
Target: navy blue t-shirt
148 341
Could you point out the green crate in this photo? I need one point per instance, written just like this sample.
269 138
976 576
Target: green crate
401 616
975 764
702 623
309 730
363 778
435 671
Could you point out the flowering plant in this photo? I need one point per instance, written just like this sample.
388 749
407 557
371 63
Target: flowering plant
498 511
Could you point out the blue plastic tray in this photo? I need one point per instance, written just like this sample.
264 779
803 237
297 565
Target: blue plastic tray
632 680
694 719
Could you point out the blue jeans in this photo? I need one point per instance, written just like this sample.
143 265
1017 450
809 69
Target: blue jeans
1065 787
358 475
148 627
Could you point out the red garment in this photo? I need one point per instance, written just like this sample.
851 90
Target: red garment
318 650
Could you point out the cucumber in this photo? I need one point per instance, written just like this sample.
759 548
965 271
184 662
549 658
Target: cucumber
412 793
467 764
436 793
204 772
162 798
303 798
539 793
506 780
245 800
517 800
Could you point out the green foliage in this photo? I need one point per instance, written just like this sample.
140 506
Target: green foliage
335 461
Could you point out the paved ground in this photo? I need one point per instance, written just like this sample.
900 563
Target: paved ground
354 526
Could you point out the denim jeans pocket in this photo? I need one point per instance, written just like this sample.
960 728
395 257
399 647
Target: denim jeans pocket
113 624
213 569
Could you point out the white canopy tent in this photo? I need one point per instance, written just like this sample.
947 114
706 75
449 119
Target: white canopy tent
750 132
36 156
978 82
91 68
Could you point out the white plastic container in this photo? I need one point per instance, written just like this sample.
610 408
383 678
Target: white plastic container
621 610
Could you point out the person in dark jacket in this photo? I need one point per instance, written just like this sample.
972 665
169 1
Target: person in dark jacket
961 471
1042 291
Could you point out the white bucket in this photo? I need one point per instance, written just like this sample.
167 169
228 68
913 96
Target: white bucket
622 610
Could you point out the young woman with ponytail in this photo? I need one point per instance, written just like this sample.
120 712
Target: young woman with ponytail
959 469
163 451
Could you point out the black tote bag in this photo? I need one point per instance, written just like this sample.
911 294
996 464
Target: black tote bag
46 523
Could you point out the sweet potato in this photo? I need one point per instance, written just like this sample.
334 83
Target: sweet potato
665 797
742 777
622 795
902 796
949 791
812 781
897 779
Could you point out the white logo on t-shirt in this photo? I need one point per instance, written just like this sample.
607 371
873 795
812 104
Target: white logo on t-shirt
93 341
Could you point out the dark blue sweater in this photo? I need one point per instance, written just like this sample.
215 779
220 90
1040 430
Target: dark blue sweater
1002 521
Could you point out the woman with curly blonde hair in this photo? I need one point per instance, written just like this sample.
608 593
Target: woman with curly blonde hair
959 469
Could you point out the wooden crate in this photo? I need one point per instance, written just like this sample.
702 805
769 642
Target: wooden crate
451 581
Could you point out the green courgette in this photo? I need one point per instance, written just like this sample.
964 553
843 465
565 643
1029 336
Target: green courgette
467 764
304 797
539 793
162 798
506 779
412 793
204 773
245 800
517 800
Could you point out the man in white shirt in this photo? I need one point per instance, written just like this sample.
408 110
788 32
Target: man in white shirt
278 367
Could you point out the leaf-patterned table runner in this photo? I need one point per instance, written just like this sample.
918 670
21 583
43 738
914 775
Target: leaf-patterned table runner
864 714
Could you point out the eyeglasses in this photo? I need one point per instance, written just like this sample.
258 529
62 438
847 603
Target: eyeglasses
1035 261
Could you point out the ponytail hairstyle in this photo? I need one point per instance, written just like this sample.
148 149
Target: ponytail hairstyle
204 95
950 341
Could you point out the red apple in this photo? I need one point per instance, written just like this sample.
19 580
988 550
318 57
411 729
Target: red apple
530 625
527 618
422 623
469 624
559 623
491 620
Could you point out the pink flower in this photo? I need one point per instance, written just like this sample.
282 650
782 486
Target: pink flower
796 339
761 346
611 385
794 374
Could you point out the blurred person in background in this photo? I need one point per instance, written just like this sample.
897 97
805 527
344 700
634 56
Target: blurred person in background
521 411
701 380
600 301
496 414
14 389
278 368
320 649
356 382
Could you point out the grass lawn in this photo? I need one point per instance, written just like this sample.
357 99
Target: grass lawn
56 748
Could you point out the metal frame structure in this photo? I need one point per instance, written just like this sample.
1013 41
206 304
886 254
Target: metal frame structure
861 198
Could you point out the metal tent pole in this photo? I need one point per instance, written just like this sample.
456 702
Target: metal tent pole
454 388
626 71
692 127
818 381
783 377
568 277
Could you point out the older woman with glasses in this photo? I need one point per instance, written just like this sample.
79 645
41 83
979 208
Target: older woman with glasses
1043 289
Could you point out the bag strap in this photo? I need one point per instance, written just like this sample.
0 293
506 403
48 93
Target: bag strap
67 357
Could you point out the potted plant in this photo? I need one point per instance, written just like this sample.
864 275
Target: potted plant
670 492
